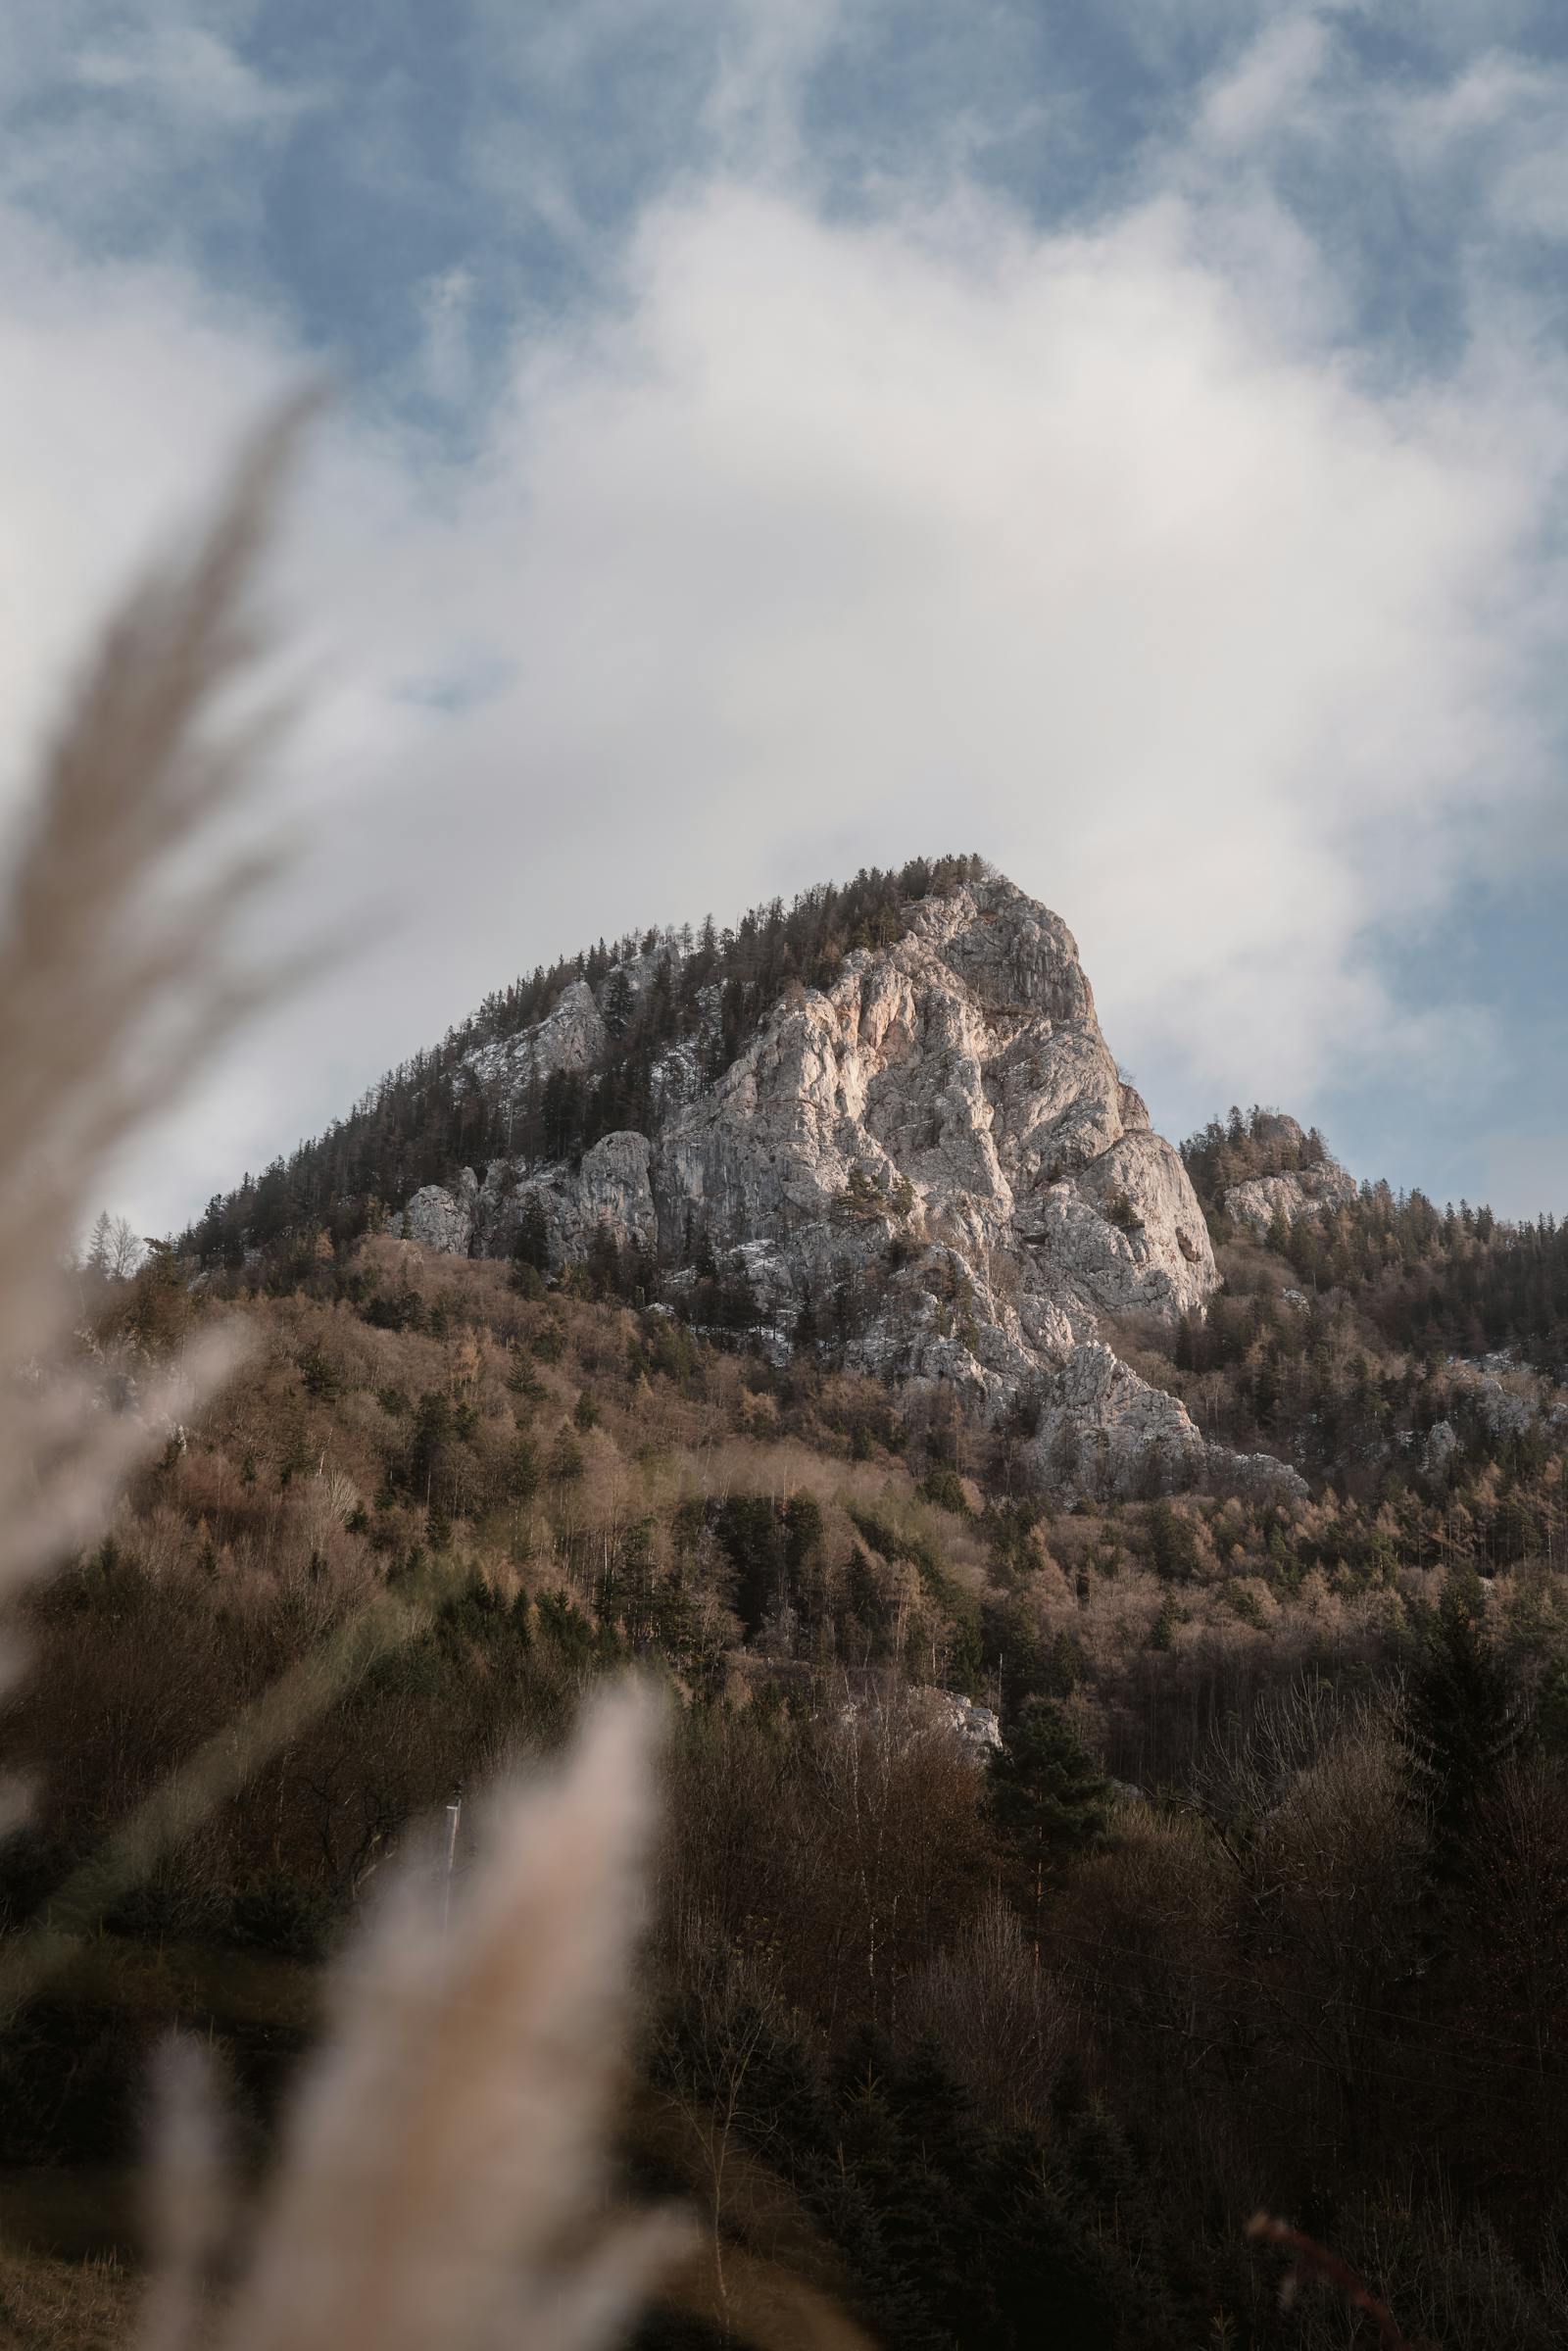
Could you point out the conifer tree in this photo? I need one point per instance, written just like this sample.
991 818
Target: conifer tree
1047 1796
619 1003
531 1244
1462 1721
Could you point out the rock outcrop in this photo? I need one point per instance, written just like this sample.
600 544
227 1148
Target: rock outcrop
572 1038
902 1717
932 1165
442 1218
1313 1188
610 1188
1105 1432
976 1727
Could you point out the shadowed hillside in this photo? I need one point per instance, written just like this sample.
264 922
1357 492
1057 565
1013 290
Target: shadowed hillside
1261 1887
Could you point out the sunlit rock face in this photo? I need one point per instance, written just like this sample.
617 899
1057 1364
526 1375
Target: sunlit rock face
1315 1190
933 1164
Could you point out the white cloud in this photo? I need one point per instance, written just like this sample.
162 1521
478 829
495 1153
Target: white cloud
840 541
1532 194
109 119
767 52
1493 93
187 71
117 390
1272 76
1033 542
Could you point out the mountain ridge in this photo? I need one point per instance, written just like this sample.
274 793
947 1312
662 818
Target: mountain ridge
925 1163
882 1128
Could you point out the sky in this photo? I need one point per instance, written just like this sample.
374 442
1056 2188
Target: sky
777 437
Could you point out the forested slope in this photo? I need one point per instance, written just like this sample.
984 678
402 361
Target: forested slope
429 1115
1262 1900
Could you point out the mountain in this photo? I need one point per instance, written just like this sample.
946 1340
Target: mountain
882 1940
926 1165
881 1130
1006 2036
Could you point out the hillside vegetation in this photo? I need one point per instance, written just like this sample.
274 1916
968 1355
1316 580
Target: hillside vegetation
1263 1900
1456 1280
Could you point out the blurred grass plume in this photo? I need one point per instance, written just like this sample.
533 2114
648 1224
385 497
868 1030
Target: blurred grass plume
442 2178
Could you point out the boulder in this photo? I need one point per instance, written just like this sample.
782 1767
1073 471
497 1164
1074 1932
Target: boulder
442 1218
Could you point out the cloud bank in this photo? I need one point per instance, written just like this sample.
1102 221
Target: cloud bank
1113 548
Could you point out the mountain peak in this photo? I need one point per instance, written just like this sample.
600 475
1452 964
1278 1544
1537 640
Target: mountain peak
925 1164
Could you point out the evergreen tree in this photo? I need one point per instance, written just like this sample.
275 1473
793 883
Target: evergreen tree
1462 1721
1172 1544
531 1244
619 1004
1046 1798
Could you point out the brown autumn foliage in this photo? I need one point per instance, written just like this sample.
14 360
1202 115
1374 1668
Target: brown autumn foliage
1253 1983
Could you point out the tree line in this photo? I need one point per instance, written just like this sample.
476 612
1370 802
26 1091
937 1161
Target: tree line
709 989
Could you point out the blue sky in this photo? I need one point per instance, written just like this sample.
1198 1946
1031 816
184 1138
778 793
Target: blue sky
772 437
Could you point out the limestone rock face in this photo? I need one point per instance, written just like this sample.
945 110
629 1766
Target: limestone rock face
1505 1396
572 1038
976 1727
942 1138
933 1165
960 1083
1107 1433
609 1190
1314 1190
1441 1444
440 1218
917 1714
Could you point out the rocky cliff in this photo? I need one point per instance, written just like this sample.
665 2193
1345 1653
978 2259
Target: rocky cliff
931 1166
1310 1187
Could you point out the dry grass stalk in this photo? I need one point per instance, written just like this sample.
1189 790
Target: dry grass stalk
186 2194
777 2299
442 2179
116 978
743 2296
68 2305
